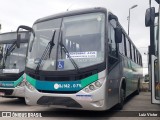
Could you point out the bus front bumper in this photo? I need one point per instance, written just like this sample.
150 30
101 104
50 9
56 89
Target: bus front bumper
95 100
12 92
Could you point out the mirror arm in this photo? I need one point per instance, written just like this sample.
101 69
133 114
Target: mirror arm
156 14
158 1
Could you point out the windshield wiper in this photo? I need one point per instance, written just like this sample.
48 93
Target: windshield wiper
67 53
46 52
8 52
51 43
10 49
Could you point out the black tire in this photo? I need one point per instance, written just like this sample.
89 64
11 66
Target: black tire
122 99
138 88
21 99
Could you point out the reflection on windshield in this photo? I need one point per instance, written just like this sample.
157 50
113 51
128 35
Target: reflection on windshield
83 37
63 47
43 35
16 59
47 52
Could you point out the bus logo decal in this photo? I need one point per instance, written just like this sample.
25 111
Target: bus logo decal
56 86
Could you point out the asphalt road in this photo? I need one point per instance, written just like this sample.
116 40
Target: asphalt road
133 108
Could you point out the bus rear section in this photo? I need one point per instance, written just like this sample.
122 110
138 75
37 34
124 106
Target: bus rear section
68 61
13 64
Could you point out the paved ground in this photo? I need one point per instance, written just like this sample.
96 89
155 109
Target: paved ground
138 103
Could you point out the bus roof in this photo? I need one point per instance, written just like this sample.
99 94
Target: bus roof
70 13
11 37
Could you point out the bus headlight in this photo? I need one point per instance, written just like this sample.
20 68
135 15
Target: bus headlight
98 84
29 86
94 86
86 90
91 87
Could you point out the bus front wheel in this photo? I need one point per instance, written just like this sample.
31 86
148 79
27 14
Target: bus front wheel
122 98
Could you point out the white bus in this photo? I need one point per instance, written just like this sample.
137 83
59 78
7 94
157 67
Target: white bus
81 59
154 51
12 67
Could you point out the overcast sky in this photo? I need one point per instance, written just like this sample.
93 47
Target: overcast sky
17 12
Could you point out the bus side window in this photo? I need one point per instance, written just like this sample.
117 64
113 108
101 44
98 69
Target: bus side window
132 49
128 48
141 60
122 46
112 44
137 56
112 59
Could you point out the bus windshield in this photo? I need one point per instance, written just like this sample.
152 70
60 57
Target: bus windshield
80 37
15 61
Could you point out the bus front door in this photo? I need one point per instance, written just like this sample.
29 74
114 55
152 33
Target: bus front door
155 82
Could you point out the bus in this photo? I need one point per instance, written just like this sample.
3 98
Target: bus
81 59
154 51
12 58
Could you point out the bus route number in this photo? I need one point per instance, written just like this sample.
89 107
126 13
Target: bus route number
58 86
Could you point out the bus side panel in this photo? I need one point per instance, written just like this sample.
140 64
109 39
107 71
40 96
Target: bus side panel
132 73
137 75
114 78
127 74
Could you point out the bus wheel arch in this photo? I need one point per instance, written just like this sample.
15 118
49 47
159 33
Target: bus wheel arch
122 93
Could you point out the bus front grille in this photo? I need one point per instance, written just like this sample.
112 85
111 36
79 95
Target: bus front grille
62 101
6 91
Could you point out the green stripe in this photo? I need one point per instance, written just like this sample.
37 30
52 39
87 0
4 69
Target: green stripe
14 83
31 80
18 81
89 80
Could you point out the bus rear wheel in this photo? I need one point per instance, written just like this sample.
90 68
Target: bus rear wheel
138 88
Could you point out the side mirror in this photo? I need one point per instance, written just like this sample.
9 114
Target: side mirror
111 17
158 1
24 27
18 40
118 35
150 16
